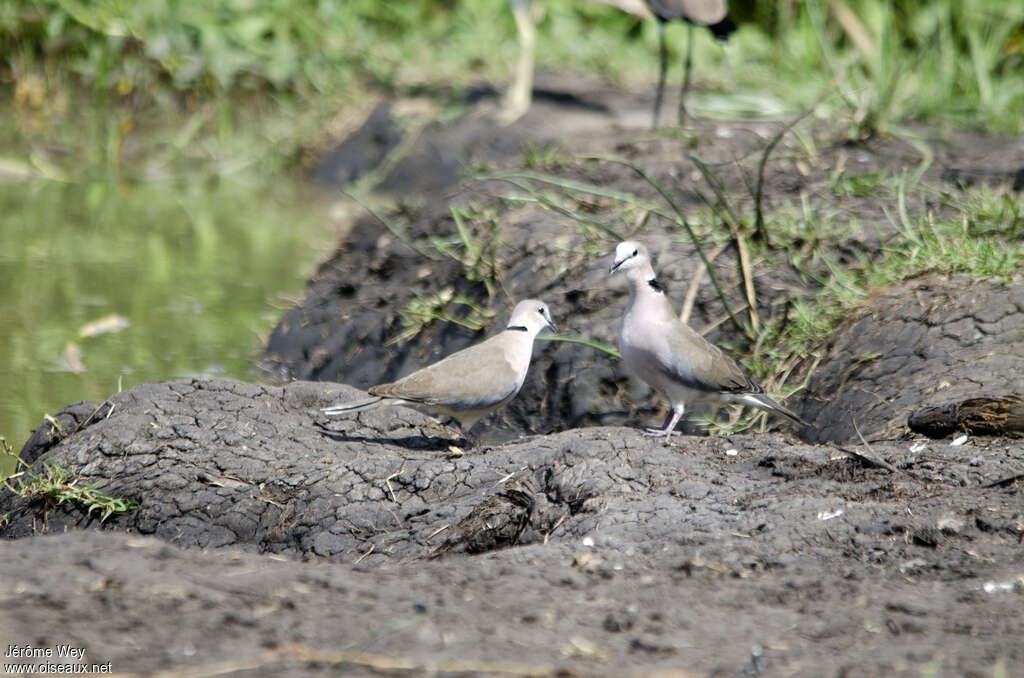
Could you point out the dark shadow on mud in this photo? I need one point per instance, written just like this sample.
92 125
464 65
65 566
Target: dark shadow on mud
426 443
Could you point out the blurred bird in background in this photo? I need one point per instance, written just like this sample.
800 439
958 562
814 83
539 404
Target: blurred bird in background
709 13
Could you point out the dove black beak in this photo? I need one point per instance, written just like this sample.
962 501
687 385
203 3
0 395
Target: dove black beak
548 321
616 265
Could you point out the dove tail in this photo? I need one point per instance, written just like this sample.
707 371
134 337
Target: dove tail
765 403
352 406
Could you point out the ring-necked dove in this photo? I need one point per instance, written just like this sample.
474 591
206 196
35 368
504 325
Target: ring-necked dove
676 361
471 383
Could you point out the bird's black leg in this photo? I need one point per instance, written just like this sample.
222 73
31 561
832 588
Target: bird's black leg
687 66
662 68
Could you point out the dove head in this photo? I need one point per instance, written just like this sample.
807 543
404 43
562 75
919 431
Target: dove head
531 316
632 257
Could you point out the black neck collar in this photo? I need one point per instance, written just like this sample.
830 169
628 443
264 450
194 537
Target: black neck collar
656 286
517 328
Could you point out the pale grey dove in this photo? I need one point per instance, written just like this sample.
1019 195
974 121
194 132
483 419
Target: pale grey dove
471 383
676 361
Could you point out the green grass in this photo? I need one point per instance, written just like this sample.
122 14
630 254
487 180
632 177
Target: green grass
56 485
982 238
937 60
279 68
475 246
444 306
8 460
857 185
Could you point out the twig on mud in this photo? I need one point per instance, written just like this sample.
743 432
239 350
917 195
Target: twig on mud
707 329
85 422
504 479
863 458
366 553
561 519
387 481
691 292
436 532
55 425
1003 482
267 500
748 277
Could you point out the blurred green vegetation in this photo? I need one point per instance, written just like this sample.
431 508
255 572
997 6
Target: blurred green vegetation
889 62
197 272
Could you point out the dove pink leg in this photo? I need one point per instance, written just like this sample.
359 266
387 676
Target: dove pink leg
670 425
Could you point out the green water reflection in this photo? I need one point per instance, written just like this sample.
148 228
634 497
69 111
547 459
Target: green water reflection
199 273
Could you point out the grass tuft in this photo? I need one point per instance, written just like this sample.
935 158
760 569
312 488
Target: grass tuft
421 311
57 486
979 243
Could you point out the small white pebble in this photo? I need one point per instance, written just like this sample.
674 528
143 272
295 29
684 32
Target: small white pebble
917 447
829 515
912 565
997 587
731 453
957 442
588 541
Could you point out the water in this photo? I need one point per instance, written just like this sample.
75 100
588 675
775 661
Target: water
105 285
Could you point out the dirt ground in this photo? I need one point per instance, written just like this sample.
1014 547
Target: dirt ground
269 545
270 540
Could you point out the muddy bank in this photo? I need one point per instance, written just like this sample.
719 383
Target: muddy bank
597 549
930 344
397 296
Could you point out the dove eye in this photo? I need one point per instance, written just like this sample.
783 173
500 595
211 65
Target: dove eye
636 252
